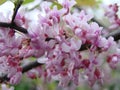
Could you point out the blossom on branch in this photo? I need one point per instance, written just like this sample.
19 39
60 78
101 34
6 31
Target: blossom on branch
58 36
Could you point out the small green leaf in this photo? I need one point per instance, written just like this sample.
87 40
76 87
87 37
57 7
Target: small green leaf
27 1
54 3
2 1
86 2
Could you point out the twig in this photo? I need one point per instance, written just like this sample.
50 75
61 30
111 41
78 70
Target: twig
25 68
13 26
30 66
18 3
115 34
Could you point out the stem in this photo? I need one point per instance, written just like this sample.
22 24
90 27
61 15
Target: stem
17 6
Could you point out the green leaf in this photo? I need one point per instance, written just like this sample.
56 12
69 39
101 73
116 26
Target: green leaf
52 86
2 1
86 2
27 1
54 3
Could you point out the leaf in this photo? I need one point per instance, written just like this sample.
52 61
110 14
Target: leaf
2 1
54 3
86 2
27 1
52 86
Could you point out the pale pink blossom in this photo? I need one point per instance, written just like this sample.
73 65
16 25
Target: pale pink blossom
15 79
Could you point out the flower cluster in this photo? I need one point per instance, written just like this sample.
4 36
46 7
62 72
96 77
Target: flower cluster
58 36
112 13
9 59
61 34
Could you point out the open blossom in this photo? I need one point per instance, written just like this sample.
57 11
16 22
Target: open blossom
67 3
87 32
73 44
9 44
10 67
15 79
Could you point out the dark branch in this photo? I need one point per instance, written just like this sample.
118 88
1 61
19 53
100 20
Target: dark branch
25 68
18 3
13 26
30 66
18 28
115 34
84 47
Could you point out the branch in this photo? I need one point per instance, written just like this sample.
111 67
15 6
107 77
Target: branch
30 66
13 26
115 34
25 68
18 3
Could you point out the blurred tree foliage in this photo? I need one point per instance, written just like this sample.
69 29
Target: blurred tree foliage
27 1
2 1
88 2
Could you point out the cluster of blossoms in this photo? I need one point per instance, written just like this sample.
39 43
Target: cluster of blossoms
59 36
9 58
112 13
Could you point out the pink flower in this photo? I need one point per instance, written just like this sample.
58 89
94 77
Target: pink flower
15 79
67 3
113 60
74 44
